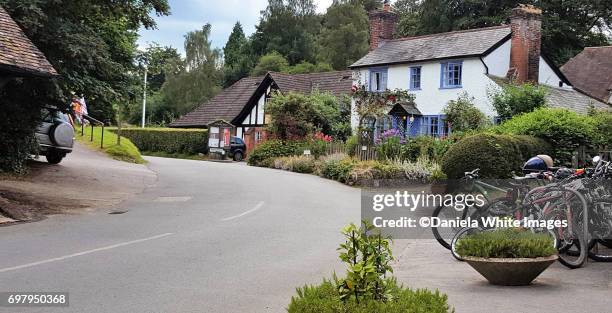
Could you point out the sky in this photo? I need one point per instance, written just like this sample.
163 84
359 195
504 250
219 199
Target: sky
189 15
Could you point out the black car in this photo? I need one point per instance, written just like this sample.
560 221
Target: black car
237 149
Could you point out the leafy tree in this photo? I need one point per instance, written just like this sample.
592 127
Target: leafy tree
161 62
238 57
567 26
344 38
513 100
288 27
272 62
295 116
199 81
370 5
307 67
91 44
409 12
463 115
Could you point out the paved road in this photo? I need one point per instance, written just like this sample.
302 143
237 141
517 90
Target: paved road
212 237
207 237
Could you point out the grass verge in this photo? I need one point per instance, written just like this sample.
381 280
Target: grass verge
127 151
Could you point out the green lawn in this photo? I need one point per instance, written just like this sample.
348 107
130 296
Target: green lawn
127 151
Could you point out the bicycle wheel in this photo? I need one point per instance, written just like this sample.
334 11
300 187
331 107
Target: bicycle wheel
607 243
571 206
445 235
596 256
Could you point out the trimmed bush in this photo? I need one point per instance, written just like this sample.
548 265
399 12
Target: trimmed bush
497 156
168 140
506 243
325 298
564 130
265 153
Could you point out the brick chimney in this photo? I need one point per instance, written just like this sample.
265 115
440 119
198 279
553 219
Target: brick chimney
526 25
382 25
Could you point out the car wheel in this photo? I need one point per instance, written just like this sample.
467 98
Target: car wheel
54 157
238 156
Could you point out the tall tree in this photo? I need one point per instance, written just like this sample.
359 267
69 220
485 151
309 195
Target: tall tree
344 38
567 26
199 81
370 5
288 27
237 56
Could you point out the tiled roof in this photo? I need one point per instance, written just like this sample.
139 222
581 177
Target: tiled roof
224 106
18 55
573 100
229 103
591 72
565 98
338 83
472 42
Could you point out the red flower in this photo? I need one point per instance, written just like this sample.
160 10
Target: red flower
391 98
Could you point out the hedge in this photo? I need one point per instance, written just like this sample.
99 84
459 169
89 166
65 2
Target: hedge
565 130
497 156
168 140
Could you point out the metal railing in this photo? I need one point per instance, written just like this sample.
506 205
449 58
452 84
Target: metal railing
93 121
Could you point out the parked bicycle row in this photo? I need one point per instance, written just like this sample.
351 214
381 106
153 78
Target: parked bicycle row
576 205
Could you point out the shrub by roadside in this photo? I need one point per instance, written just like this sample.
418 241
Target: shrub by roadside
168 140
127 151
265 153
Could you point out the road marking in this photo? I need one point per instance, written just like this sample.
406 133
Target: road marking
257 207
123 244
173 199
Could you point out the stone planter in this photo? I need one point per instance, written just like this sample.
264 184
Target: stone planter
511 271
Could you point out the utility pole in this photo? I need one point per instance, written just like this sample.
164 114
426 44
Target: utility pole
144 98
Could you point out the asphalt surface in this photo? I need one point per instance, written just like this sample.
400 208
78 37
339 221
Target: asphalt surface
217 237
206 237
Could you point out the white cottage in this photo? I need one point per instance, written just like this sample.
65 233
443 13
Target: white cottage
440 67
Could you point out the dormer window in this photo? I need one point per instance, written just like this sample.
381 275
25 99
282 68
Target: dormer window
450 76
378 80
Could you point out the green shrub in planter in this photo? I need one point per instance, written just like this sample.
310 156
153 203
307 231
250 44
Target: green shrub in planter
506 243
167 140
265 153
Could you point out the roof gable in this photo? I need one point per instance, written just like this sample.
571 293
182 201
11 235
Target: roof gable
18 55
589 71
236 101
474 42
